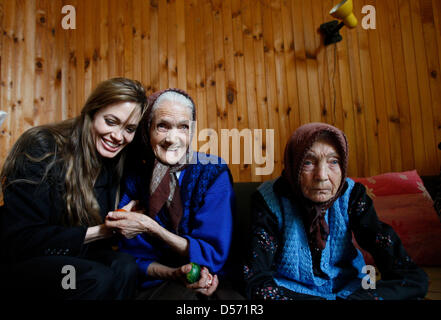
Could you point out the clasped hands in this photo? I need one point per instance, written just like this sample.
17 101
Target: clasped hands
131 221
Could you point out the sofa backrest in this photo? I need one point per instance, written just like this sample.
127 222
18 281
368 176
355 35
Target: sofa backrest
242 218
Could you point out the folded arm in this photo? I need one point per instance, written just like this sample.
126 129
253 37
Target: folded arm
401 278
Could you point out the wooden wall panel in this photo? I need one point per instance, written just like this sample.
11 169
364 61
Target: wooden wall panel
247 64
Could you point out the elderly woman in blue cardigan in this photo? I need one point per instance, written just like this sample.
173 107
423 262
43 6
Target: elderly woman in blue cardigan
187 201
301 245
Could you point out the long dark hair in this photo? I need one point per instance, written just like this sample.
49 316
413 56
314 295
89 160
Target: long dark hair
76 149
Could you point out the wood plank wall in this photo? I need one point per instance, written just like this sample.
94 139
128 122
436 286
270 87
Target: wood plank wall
248 64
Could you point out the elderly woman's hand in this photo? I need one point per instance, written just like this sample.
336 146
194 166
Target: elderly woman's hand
131 223
206 285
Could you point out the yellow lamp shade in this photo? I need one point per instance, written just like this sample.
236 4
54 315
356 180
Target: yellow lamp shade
343 11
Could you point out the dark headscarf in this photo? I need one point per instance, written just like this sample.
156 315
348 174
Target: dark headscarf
296 149
164 185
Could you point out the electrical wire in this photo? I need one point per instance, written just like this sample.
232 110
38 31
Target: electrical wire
333 83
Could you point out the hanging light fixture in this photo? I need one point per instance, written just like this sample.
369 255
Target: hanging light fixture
331 29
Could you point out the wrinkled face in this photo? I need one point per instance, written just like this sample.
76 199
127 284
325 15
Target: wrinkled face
170 132
114 126
320 175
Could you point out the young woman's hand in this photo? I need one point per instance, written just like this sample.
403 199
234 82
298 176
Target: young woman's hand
133 205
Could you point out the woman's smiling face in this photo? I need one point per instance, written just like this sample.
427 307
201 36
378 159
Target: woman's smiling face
114 126
170 132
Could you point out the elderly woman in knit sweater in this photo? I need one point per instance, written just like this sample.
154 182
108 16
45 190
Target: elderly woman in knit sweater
301 247
187 199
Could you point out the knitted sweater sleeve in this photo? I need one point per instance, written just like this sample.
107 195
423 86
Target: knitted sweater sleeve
259 266
401 278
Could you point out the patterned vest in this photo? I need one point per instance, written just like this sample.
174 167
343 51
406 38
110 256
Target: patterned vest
198 178
340 260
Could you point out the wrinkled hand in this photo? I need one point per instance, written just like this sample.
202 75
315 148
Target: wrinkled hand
130 223
206 285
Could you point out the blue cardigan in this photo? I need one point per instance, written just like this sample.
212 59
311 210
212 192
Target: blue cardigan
341 261
207 223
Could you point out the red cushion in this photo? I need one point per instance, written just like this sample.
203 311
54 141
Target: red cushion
415 221
388 184
402 202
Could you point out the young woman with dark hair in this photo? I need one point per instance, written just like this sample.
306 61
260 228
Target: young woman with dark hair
59 181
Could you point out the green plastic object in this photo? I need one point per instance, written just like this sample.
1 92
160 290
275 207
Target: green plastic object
195 273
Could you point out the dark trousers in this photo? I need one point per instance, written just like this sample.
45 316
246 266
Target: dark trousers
174 290
102 275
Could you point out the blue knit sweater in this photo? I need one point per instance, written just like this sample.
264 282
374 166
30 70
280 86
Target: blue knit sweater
340 261
207 222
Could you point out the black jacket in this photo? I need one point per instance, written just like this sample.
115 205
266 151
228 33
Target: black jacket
33 218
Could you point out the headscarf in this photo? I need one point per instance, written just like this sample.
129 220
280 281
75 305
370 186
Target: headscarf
295 152
164 185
